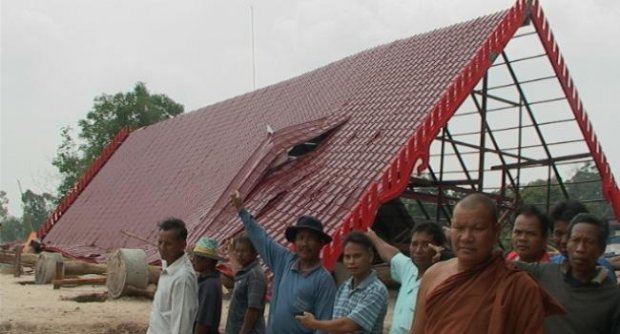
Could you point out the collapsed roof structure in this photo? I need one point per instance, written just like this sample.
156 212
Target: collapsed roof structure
430 118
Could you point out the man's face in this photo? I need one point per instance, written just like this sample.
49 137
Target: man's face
308 245
527 239
199 263
244 253
170 248
357 259
583 247
473 234
560 233
420 253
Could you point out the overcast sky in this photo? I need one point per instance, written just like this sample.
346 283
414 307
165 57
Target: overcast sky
57 55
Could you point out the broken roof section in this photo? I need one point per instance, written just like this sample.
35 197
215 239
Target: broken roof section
335 143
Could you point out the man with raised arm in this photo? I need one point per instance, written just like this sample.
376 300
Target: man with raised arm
409 270
478 291
300 282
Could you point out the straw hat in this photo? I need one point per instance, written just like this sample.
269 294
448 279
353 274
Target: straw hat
207 247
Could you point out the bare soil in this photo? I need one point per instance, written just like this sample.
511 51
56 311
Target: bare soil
29 308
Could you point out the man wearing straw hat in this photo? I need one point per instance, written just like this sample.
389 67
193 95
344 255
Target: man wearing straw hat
204 259
300 283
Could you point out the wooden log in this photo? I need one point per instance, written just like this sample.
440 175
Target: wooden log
79 281
127 268
84 268
149 292
60 273
46 267
26 259
17 268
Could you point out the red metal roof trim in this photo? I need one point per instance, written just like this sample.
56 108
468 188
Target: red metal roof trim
415 152
90 173
609 185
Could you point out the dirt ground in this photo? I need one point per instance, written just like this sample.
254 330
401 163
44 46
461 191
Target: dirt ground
29 308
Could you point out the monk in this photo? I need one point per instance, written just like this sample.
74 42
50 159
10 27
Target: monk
478 291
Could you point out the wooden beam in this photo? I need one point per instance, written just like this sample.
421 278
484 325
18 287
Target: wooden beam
78 281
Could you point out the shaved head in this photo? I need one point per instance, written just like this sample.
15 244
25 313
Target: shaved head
473 201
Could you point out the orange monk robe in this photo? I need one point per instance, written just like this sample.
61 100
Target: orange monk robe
493 298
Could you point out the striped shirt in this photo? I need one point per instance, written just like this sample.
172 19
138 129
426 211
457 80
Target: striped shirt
366 304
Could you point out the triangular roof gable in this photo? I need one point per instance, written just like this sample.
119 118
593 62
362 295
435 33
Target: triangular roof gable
386 104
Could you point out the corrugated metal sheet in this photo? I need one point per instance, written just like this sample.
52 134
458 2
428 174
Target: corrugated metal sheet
185 167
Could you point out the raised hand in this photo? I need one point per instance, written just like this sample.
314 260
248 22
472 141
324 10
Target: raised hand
235 200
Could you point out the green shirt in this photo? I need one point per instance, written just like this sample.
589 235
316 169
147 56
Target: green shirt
403 271
590 308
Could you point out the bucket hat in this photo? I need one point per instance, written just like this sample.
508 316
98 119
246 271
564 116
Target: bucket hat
307 223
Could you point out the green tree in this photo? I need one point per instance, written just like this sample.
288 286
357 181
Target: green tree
110 114
584 185
11 230
36 208
68 161
10 227
4 205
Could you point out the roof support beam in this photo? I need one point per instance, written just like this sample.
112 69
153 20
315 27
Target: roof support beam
496 98
461 143
543 162
536 127
483 129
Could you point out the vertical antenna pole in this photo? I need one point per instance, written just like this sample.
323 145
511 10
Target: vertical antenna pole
253 55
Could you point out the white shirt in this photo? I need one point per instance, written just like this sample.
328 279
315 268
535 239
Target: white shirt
176 300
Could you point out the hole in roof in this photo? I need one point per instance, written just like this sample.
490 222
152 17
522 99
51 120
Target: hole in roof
308 146
301 149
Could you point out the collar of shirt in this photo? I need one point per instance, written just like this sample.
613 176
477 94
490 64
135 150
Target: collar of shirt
307 272
248 267
364 283
543 258
176 265
211 274
599 278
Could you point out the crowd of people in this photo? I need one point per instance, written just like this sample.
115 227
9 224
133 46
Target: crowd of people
453 281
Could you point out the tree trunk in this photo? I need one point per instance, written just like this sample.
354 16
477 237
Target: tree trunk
127 268
79 281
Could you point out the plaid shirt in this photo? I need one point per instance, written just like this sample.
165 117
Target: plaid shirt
248 292
366 304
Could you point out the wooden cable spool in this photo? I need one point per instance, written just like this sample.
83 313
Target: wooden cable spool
127 270
45 269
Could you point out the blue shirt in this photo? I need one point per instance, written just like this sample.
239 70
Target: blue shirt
293 292
403 271
365 304
611 273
